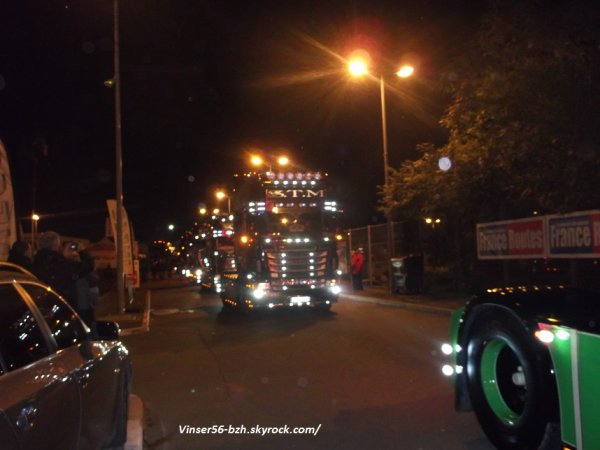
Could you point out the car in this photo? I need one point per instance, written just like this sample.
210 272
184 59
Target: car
525 360
60 386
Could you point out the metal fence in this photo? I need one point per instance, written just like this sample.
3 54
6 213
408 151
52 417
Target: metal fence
378 247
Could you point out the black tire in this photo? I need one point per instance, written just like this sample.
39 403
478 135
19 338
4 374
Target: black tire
509 381
322 307
120 435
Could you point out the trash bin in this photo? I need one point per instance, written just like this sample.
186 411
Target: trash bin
406 274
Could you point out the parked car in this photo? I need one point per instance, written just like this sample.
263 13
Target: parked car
59 387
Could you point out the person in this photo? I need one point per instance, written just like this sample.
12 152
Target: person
87 292
356 267
60 273
21 254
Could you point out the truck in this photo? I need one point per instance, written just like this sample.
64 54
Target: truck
285 245
525 357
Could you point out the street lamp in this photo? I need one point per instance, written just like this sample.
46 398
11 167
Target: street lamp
220 196
34 227
258 161
358 67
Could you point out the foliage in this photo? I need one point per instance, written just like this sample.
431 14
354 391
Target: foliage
523 123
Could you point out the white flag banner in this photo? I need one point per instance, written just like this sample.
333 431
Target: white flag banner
8 228
127 238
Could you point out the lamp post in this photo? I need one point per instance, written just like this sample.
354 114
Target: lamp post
34 227
358 68
119 160
257 161
220 196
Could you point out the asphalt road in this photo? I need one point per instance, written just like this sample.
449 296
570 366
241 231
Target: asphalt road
363 376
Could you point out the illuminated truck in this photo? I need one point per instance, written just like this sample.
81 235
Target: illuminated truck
213 250
285 243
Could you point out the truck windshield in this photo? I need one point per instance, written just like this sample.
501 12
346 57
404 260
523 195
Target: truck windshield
295 220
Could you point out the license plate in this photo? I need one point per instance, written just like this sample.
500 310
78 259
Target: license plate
299 300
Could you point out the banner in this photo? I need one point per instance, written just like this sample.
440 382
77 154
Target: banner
572 235
511 239
8 228
128 268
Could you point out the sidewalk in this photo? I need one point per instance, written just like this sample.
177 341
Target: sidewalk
437 303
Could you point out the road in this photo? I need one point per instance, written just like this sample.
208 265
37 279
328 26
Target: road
367 376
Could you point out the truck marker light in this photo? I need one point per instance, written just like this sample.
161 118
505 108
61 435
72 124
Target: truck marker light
563 335
457 348
545 336
459 369
447 370
446 349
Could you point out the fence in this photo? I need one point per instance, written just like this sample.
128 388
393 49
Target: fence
404 239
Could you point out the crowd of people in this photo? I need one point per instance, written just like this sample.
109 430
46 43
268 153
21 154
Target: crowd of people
65 268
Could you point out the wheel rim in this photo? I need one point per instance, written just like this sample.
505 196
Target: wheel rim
503 381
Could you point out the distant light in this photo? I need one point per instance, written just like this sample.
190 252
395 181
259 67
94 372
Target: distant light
244 239
35 217
216 211
256 160
444 163
171 227
283 161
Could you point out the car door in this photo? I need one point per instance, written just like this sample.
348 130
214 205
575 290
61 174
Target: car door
95 366
38 396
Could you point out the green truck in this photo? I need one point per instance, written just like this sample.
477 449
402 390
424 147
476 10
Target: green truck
526 360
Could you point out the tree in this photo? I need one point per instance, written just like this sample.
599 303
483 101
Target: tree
524 128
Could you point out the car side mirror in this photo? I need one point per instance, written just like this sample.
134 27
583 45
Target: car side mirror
108 331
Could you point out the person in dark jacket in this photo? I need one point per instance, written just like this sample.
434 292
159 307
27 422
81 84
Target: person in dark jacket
21 254
54 269
87 294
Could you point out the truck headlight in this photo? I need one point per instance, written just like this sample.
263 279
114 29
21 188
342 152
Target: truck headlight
260 290
335 289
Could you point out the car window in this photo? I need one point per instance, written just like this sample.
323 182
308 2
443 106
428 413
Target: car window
21 339
64 324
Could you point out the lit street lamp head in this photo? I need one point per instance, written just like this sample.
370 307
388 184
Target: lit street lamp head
256 160
358 67
405 71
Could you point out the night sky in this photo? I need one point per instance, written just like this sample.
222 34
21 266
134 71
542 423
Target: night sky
203 83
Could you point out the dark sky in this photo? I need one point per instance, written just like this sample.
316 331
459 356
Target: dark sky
204 82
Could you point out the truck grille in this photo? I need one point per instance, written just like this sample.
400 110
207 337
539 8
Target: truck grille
296 263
